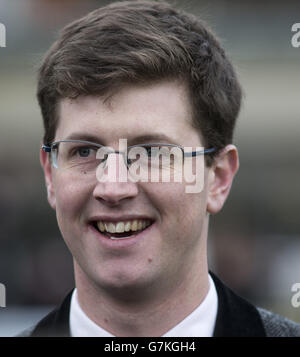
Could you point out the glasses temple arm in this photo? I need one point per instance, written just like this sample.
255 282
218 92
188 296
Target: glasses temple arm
195 153
46 148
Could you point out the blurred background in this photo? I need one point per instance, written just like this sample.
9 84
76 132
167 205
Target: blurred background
254 241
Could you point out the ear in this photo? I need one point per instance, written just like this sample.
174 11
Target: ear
220 178
47 168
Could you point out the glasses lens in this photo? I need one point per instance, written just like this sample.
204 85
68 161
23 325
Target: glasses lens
76 156
155 163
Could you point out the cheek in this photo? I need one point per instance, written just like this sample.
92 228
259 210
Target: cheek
178 210
190 215
182 222
70 197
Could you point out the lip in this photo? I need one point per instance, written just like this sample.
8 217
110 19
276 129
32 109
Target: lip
121 243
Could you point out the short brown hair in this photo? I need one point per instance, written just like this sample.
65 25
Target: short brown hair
139 42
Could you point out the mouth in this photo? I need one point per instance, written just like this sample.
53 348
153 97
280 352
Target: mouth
122 229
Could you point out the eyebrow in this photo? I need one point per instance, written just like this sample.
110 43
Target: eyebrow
152 137
135 140
84 136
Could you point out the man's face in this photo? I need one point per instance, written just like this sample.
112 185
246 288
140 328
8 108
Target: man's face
175 243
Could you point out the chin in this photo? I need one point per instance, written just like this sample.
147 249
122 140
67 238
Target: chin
124 284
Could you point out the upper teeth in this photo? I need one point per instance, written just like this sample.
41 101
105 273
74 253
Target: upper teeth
123 226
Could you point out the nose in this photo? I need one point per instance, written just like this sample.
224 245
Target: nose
113 184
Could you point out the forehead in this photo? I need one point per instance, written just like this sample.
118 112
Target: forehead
162 109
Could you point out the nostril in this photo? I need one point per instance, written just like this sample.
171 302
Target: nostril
112 193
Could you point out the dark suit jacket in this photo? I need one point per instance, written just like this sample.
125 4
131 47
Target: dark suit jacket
235 318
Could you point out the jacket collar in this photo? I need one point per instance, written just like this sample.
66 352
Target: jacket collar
235 318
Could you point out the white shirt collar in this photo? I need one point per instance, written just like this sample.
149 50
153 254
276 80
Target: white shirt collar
200 323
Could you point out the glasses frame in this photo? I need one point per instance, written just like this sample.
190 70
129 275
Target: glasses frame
49 149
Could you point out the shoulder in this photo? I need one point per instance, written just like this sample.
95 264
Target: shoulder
239 318
26 333
278 326
42 327
55 324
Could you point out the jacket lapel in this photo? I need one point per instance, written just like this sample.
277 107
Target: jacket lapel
236 317
56 323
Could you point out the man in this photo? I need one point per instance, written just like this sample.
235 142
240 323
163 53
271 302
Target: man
145 74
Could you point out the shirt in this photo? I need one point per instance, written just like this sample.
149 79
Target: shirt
199 323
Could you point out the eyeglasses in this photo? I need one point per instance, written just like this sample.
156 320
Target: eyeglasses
82 156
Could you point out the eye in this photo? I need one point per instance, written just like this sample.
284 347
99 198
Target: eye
154 151
84 151
145 153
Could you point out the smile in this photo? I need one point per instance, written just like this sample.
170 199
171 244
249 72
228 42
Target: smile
122 229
